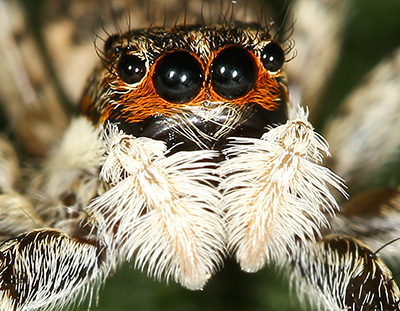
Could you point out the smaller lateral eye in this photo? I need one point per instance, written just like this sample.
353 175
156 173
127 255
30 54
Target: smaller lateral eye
131 69
110 42
272 57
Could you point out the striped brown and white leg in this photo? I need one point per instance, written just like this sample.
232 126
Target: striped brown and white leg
341 273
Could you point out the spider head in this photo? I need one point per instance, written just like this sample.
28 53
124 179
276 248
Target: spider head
191 87
241 186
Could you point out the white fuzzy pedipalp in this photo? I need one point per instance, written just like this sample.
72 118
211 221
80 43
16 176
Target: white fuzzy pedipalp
274 192
164 211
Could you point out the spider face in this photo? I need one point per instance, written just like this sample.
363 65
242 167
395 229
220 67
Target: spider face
191 87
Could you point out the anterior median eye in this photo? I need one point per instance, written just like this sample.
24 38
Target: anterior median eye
233 72
178 77
273 57
131 69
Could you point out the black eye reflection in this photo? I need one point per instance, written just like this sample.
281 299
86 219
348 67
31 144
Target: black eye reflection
233 72
178 77
131 69
272 57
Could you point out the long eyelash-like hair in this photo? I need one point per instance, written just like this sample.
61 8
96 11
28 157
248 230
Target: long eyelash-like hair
284 32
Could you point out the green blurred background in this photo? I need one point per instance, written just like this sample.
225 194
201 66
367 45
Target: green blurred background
372 33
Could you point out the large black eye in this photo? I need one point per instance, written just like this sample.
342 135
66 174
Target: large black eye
131 69
273 57
233 72
178 77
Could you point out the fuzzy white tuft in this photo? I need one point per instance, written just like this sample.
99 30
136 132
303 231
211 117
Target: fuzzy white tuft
162 210
274 192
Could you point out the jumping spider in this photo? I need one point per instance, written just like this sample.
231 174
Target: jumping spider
190 148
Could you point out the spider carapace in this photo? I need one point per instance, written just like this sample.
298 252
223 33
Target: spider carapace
187 151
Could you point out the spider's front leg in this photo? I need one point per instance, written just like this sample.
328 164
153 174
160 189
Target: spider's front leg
46 268
342 273
49 256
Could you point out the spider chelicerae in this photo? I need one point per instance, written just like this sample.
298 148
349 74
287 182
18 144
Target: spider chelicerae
92 163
